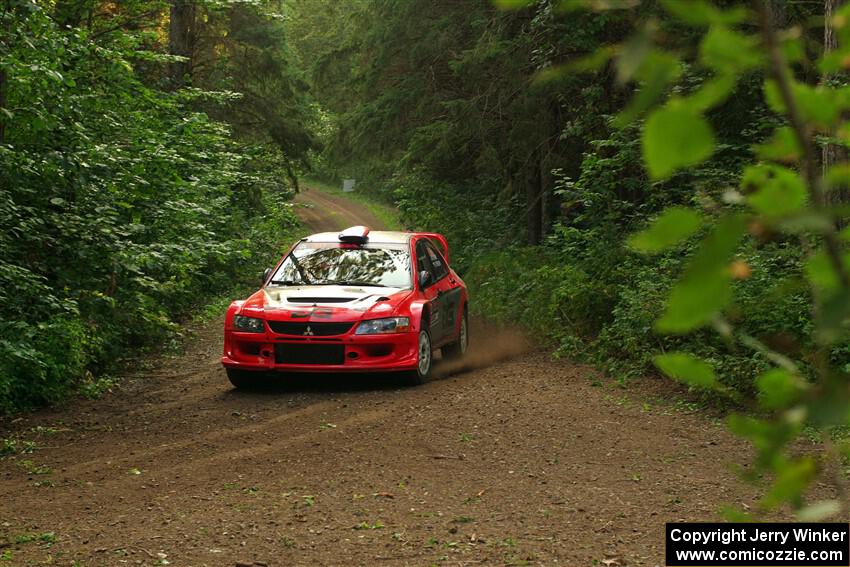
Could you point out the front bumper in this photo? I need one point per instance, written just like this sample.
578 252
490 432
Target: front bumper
347 353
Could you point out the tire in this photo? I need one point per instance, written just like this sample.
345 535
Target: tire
457 349
426 361
243 379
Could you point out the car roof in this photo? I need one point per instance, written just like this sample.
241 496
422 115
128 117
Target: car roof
375 237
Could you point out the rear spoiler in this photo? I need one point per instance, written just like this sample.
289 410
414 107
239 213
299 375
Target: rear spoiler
441 240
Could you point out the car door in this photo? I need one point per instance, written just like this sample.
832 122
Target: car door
448 293
430 291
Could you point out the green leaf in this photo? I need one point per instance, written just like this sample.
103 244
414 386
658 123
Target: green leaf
841 23
513 4
767 437
693 303
728 51
839 175
806 221
821 271
831 406
633 53
833 316
818 104
658 69
791 480
833 62
732 514
595 5
778 389
674 225
704 13
793 48
587 63
712 92
686 368
705 288
782 146
675 136
778 190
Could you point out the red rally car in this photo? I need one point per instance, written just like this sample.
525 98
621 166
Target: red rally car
357 301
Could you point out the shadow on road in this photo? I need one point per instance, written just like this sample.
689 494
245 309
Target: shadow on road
500 344
280 383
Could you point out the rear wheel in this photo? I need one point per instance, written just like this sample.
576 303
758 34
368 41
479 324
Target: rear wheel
243 379
425 360
457 349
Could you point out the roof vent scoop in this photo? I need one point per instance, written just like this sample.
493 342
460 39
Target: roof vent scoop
355 235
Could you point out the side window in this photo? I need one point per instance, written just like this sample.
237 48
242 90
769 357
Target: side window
422 261
440 268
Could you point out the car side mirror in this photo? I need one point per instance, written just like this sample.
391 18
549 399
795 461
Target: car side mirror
266 274
424 279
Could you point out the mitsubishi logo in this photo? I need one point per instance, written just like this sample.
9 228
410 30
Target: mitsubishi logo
308 331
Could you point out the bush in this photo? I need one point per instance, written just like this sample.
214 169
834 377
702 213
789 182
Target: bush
121 207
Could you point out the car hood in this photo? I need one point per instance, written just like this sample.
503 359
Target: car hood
325 302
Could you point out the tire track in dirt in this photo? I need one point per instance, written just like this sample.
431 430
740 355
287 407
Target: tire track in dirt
528 460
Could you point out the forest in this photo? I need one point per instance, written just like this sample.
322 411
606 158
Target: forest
646 186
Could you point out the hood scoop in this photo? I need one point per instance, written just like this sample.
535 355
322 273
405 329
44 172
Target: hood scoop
304 299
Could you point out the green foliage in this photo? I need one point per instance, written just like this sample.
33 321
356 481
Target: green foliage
778 388
687 368
674 225
776 191
490 224
786 197
249 43
123 207
496 123
705 287
674 137
442 93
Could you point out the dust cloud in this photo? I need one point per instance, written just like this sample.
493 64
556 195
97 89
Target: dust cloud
488 344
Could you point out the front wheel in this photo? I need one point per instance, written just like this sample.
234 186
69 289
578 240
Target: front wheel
243 379
457 349
425 360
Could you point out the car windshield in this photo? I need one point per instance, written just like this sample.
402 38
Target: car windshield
313 263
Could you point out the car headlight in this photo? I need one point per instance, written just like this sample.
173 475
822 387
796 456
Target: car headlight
248 324
383 326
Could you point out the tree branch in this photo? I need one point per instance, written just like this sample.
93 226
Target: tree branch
123 23
808 163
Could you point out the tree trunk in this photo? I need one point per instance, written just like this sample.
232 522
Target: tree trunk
533 213
180 39
550 121
830 42
5 37
3 82
831 153
547 183
777 10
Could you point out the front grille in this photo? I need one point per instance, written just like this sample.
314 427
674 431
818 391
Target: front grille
310 329
285 353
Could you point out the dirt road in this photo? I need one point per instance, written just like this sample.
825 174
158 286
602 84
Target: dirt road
526 461
324 212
